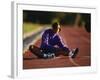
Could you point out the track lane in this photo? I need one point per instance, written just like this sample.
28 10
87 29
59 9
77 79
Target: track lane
77 37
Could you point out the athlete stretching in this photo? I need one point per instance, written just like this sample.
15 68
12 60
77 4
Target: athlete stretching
52 44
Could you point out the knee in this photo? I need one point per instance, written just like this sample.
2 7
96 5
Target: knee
31 48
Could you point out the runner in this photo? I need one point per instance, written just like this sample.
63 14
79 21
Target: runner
52 44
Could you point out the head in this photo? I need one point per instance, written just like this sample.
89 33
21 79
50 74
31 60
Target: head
56 27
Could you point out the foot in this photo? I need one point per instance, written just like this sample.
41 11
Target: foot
73 53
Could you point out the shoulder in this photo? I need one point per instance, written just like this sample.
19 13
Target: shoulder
48 31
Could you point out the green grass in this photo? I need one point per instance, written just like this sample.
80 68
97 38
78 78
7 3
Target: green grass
29 27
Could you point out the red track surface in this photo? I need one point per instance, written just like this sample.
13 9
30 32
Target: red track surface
73 37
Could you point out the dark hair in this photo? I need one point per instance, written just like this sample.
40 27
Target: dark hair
55 25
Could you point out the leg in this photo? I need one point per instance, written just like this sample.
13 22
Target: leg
60 51
35 50
57 51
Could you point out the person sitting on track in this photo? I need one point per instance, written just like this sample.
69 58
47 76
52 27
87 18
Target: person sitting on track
52 44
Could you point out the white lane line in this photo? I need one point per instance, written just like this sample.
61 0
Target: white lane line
84 57
70 59
73 62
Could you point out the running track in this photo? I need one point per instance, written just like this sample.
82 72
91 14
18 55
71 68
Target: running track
73 37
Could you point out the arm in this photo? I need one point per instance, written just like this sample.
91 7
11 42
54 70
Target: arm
45 39
61 44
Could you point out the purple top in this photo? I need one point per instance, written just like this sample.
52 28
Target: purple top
50 39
